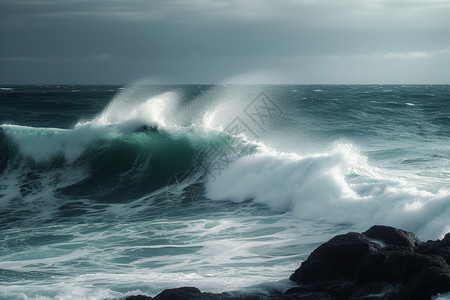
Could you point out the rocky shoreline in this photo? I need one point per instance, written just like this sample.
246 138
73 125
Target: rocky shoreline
381 263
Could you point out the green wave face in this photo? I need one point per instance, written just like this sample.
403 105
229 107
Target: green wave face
115 165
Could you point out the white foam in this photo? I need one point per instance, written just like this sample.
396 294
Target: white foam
337 186
206 261
65 291
445 296
37 194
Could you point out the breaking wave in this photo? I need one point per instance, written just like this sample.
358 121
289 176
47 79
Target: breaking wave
138 144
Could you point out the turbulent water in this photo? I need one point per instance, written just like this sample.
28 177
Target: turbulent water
107 191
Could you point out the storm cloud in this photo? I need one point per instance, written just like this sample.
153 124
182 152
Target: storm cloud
199 41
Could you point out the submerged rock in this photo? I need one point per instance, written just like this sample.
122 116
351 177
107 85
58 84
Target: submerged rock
381 263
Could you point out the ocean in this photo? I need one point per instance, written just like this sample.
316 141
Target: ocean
108 191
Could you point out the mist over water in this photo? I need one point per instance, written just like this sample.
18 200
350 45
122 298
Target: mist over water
108 191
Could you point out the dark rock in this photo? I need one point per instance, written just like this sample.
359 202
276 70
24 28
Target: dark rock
296 293
138 297
374 290
351 266
446 239
371 268
181 293
392 236
439 247
432 277
333 290
193 293
336 260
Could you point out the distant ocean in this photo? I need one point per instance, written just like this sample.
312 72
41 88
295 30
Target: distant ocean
107 191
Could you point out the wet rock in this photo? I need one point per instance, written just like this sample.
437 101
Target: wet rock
138 297
336 260
193 293
352 266
393 236
439 247
179 294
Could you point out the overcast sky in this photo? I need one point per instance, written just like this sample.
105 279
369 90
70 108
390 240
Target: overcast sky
201 41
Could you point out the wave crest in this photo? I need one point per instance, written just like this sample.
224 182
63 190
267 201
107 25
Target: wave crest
337 186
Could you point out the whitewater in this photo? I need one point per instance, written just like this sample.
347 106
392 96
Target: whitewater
108 191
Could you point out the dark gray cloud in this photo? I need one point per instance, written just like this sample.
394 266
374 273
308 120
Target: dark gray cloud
111 41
